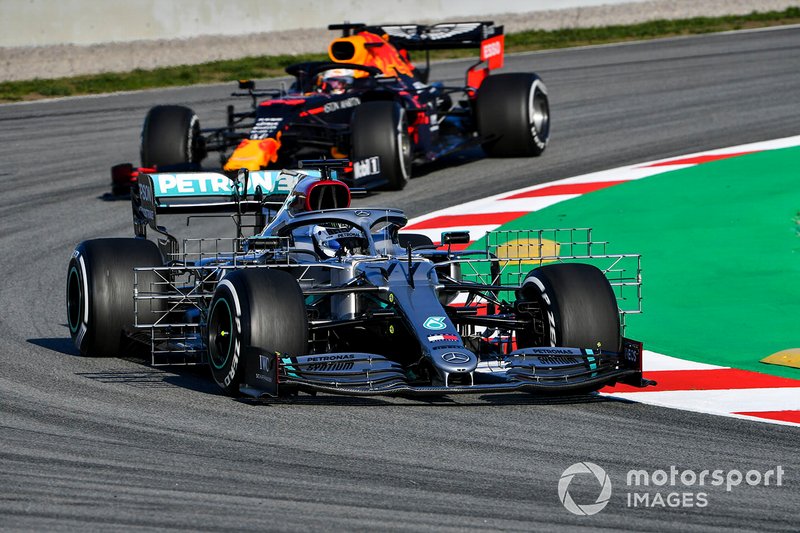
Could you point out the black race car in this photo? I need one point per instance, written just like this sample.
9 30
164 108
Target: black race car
325 297
370 104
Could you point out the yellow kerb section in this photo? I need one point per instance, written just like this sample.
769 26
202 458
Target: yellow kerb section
790 358
531 250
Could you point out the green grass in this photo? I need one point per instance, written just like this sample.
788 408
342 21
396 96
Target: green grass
217 71
272 66
539 40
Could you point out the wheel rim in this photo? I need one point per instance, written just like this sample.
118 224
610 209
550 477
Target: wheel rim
192 141
404 147
74 299
538 112
220 334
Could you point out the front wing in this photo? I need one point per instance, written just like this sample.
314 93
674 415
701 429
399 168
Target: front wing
536 370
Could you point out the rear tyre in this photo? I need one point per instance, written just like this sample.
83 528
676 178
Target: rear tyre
513 112
381 129
576 308
171 137
261 308
100 283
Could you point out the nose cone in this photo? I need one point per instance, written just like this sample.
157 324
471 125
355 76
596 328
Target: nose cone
456 361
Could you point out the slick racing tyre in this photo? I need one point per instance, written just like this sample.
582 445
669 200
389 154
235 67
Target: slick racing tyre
100 289
260 308
171 137
513 113
381 129
573 305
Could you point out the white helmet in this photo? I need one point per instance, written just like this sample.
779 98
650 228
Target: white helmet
335 80
333 242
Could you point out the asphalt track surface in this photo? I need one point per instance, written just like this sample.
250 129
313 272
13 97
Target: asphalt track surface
114 444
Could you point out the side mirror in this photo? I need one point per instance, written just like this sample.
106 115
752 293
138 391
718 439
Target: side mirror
247 85
455 237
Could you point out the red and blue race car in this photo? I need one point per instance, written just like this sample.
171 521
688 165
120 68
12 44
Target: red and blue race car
370 104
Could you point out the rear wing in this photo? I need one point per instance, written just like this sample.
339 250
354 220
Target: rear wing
443 36
207 192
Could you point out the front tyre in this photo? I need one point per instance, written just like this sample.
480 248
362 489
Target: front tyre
572 305
381 129
171 137
262 308
100 289
513 114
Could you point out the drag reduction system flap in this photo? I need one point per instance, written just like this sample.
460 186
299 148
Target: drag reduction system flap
445 35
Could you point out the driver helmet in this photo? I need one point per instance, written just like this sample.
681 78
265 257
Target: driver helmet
333 242
335 80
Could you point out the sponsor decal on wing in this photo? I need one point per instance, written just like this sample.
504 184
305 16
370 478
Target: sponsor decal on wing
445 31
403 31
492 51
213 184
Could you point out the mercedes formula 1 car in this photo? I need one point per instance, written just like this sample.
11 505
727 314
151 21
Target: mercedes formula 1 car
370 104
324 297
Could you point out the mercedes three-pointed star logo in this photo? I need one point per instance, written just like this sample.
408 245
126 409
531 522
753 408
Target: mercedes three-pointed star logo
455 357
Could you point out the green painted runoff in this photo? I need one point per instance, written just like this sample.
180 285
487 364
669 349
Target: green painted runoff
720 245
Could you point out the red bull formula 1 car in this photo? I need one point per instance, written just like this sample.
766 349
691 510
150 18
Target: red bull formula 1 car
323 297
370 104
